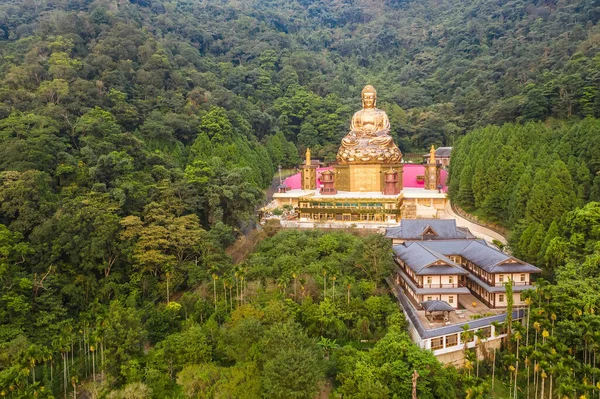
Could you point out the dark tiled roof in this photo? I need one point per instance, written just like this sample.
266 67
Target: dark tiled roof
494 261
437 306
478 252
497 288
443 152
422 260
449 247
414 229
440 152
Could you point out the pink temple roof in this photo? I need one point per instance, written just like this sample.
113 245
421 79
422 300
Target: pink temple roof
409 177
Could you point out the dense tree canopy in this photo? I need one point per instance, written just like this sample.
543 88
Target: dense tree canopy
528 177
136 138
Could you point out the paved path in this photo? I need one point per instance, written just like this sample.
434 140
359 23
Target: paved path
476 229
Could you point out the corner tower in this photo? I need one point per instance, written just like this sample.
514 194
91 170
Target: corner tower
309 173
432 171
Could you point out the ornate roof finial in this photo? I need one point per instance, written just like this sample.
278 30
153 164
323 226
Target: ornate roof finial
308 157
432 155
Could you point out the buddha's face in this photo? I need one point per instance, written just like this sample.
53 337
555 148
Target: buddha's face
368 100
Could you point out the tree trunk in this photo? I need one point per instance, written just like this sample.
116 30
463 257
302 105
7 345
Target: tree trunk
102 359
215 292
528 376
535 379
517 370
94 364
493 369
333 291
63 355
415 376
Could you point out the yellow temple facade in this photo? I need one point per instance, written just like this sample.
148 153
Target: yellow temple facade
365 185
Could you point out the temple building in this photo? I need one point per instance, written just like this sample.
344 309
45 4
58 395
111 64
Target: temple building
366 184
446 278
442 156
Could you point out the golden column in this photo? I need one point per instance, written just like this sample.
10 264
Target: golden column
309 173
432 171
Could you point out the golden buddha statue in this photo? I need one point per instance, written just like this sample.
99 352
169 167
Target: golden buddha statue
369 140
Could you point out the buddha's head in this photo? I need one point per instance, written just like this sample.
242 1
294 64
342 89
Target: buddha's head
369 97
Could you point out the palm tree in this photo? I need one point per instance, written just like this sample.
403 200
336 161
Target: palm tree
328 345
479 346
74 381
528 302
333 278
544 376
46 356
324 284
518 337
215 278
497 327
466 336
295 277
536 326
93 350
168 276
349 282
34 355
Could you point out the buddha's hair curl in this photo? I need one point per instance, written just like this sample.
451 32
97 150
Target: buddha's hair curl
368 89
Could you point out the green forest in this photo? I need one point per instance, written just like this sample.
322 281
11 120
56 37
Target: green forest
137 139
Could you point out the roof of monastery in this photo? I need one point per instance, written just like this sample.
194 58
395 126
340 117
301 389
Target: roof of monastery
450 247
439 238
493 261
425 261
428 229
476 251
409 177
441 152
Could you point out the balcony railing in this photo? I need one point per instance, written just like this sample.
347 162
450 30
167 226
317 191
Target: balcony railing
457 285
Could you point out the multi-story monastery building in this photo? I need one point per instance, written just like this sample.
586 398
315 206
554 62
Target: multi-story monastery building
446 278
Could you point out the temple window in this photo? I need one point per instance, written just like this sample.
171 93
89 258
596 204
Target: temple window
451 340
501 278
429 280
437 343
451 280
523 277
501 298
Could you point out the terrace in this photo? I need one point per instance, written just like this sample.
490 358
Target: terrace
473 312
470 308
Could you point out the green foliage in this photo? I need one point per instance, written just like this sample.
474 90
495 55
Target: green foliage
526 177
386 371
136 139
